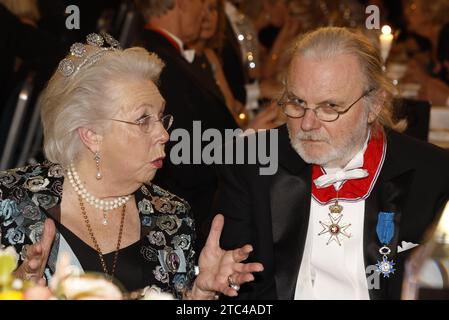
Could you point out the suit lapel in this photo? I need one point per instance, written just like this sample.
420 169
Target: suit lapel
290 206
218 102
163 44
388 195
371 244
210 86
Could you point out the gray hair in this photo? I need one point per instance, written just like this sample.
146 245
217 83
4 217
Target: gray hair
325 43
154 8
89 97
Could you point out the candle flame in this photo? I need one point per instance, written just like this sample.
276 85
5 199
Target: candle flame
386 29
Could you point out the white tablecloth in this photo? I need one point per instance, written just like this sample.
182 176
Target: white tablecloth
439 126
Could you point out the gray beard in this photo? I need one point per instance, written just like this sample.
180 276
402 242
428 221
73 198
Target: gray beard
341 155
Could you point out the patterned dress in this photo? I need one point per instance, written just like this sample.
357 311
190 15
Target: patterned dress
163 256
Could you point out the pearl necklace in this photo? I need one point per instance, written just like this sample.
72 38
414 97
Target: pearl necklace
103 205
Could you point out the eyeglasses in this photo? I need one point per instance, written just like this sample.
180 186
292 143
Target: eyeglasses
147 122
293 107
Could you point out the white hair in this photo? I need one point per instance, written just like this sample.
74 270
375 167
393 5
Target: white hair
88 97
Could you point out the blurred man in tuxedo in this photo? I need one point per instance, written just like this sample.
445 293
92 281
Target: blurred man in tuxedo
351 196
170 25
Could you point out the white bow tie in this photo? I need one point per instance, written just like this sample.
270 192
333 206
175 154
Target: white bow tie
189 55
339 176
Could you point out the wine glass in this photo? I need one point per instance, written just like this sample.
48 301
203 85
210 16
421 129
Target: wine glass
427 270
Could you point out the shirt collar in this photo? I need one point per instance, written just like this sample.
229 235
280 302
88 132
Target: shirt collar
175 38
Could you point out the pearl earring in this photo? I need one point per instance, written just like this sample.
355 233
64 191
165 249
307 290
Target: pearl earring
97 163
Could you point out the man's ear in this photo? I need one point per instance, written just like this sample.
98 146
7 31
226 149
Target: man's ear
376 107
90 139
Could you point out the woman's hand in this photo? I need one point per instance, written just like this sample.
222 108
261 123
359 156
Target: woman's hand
219 267
36 256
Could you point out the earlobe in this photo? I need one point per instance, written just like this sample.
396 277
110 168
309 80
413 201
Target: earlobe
374 113
376 107
371 117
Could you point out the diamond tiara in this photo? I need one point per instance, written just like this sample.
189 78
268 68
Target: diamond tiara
68 67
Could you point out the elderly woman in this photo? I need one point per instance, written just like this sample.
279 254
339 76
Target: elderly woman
105 131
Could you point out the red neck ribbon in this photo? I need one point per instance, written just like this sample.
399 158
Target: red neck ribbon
354 189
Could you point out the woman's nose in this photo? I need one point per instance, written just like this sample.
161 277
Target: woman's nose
162 134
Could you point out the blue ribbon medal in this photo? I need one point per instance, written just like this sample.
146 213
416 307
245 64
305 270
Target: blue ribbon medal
385 232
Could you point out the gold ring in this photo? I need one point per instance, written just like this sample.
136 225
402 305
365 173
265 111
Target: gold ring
29 276
232 284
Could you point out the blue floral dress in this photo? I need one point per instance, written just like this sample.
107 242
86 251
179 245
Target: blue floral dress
164 254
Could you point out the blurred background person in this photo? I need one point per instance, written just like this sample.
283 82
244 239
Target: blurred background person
26 10
170 25
26 51
32 44
207 48
429 68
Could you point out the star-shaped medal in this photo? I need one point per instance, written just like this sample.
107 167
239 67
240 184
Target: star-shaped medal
335 229
386 267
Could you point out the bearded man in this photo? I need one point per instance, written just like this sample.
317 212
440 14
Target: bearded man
352 196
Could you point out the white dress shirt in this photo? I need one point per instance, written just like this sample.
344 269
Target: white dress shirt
330 271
